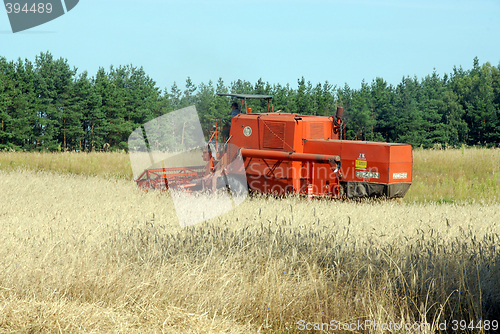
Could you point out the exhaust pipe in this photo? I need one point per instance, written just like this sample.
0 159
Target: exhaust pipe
340 112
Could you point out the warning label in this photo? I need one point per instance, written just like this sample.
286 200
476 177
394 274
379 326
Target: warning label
361 164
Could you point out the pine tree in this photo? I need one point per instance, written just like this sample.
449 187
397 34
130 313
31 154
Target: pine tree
408 126
175 97
6 90
110 88
53 85
303 101
94 126
476 93
205 105
358 115
188 98
383 112
431 92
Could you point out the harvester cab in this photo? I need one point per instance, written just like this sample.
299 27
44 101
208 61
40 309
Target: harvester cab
244 107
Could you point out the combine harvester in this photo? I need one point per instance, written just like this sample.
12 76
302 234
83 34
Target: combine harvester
285 153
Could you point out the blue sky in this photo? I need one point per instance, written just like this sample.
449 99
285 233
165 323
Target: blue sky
276 40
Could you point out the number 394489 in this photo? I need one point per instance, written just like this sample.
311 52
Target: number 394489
36 8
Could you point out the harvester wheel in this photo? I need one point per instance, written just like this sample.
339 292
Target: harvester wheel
232 184
235 186
342 193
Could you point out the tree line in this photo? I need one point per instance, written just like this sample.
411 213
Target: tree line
46 105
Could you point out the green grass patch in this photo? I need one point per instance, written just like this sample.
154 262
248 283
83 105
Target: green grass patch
456 175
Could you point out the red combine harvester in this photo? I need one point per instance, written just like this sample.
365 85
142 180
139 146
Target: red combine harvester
285 153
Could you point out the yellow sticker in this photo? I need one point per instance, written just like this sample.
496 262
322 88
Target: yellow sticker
361 164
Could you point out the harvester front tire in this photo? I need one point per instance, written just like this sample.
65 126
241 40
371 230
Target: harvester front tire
235 187
231 184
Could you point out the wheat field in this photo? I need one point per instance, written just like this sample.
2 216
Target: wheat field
446 176
93 254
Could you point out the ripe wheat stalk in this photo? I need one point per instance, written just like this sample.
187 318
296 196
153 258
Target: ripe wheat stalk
93 254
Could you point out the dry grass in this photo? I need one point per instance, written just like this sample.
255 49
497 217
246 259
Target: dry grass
445 176
456 175
110 164
92 254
